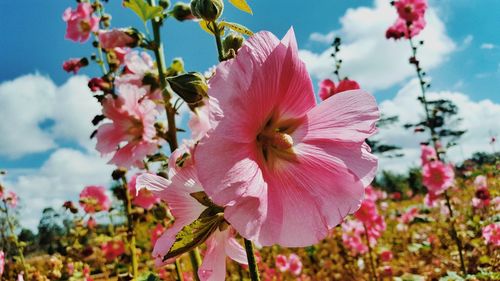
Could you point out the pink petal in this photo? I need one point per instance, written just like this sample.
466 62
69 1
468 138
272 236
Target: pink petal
235 251
213 267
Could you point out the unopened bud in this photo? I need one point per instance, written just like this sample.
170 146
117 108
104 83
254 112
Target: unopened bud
209 10
191 87
164 4
233 42
181 12
118 173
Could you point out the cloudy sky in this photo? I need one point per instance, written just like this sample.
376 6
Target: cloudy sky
45 113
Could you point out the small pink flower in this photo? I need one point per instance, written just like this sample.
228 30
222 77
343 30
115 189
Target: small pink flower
411 10
491 234
273 151
409 215
437 176
431 199
74 65
20 276
116 38
98 84
327 87
156 233
131 135
295 264
80 22
428 154
281 263
11 199
2 262
91 223
400 29
93 199
386 255
480 182
352 236
387 270
113 249
142 198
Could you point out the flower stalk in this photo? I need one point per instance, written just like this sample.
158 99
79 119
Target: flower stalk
14 237
130 228
252 264
370 256
217 34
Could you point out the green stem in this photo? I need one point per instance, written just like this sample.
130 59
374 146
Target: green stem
14 238
370 255
178 270
218 40
130 229
99 48
252 264
454 234
195 258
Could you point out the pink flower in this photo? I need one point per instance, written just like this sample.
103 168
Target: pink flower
20 276
80 22
428 154
2 262
400 29
98 84
386 255
411 10
186 209
409 215
295 264
491 234
281 263
352 236
131 135
113 249
93 199
116 38
271 156
327 87
431 199
156 233
11 199
74 65
142 198
199 124
480 182
437 176
91 223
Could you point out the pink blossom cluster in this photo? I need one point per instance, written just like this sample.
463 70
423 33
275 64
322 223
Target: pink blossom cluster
327 87
491 234
292 264
410 20
93 199
482 195
436 175
10 198
113 249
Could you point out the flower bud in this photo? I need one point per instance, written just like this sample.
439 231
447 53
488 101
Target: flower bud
233 41
181 12
209 10
164 4
191 87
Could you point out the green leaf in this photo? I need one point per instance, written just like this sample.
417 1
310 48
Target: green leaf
242 5
149 277
194 234
143 9
236 27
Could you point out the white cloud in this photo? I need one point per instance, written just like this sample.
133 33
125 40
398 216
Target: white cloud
378 63
31 100
480 118
322 38
60 178
487 46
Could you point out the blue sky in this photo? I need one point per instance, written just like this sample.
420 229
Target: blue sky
463 57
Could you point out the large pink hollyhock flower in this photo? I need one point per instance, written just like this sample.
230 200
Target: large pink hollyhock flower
113 249
411 10
115 38
327 87
428 154
295 264
80 22
142 198
491 234
286 170
186 209
437 176
281 263
93 199
133 119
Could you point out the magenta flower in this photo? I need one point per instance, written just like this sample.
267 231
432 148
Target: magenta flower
115 38
327 87
386 255
113 249
80 22
131 135
286 169
411 10
295 264
156 233
437 176
352 236
91 223
281 263
428 154
2 262
491 234
409 215
11 199
93 199
186 209
142 198
400 29
74 65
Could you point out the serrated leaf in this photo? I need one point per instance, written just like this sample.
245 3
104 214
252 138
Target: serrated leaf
194 234
236 27
242 5
143 9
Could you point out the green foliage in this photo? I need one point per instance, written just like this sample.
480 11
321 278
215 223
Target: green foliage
143 9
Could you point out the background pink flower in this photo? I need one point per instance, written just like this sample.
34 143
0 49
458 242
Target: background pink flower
491 234
281 263
327 87
80 22
273 152
437 176
115 38
142 198
74 65
93 199
295 264
428 154
113 249
411 10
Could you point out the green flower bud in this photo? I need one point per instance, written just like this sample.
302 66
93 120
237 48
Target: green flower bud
191 87
164 4
209 10
233 42
181 12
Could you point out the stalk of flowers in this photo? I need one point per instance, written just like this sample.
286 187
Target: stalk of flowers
437 176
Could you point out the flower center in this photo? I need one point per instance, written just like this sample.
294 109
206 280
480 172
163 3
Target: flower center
84 26
409 9
275 139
